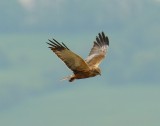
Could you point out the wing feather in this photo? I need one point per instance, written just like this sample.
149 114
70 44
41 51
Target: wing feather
72 60
98 51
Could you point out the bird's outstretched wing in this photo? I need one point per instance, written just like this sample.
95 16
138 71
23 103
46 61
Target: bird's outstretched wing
98 51
72 60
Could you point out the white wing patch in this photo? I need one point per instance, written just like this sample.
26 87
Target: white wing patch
98 51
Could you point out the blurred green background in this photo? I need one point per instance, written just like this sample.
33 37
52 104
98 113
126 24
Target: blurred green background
127 93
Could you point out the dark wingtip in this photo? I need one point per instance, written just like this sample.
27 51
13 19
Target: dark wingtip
55 44
50 44
105 38
65 46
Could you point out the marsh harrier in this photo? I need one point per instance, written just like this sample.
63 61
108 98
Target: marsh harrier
82 68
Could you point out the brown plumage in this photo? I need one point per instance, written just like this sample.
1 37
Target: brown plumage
82 68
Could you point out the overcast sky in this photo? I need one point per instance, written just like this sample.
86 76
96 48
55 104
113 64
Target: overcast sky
77 15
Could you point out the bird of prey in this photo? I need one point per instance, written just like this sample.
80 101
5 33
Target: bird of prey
82 68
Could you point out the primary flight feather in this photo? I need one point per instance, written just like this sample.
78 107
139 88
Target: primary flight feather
82 68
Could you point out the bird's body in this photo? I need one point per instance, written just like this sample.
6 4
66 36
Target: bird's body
82 68
85 74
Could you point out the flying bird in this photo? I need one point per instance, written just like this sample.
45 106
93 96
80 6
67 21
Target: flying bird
82 68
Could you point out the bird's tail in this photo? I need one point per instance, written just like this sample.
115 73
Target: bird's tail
69 78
